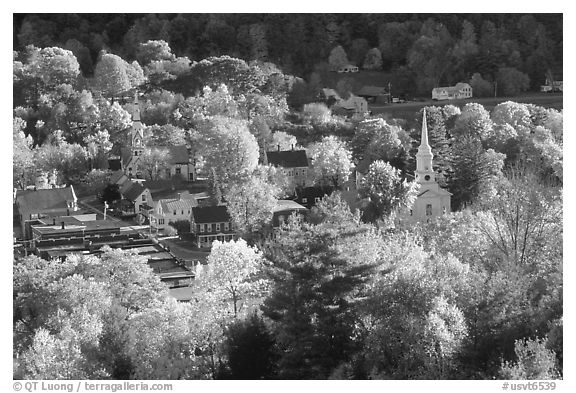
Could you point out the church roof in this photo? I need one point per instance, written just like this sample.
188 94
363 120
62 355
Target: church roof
178 154
432 193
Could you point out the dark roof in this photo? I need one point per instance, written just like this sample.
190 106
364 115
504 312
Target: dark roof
134 191
208 214
288 158
126 154
372 91
116 176
48 199
178 154
313 192
114 164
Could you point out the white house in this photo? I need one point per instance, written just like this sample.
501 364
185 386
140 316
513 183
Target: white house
461 90
347 68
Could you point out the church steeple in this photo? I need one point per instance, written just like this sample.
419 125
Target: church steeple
137 136
424 170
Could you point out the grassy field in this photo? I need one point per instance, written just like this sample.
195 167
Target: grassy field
408 109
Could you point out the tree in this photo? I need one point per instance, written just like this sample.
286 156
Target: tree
534 361
480 86
514 114
111 76
154 161
316 113
251 204
373 60
511 81
315 284
282 140
231 151
250 349
165 135
97 180
386 190
337 58
97 146
331 161
233 273
375 139
430 55
466 49
474 121
22 155
153 50
474 169
111 193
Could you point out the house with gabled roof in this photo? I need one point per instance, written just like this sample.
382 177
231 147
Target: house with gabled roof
136 200
32 205
374 94
459 91
211 223
294 164
172 210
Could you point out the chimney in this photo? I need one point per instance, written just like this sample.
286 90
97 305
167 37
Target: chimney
292 147
53 221
63 226
278 147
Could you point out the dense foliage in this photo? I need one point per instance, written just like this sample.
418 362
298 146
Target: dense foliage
474 294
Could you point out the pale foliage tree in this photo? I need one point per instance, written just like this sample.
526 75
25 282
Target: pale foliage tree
154 161
444 334
373 59
513 114
316 113
231 151
22 154
282 139
251 203
337 57
111 76
385 190
234 272
331 161
534 361
474 120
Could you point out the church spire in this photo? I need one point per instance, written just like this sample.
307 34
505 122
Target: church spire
136 114
424 146
424 171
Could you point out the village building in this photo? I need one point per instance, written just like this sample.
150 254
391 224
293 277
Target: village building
294 164
432 201
211 223
459 91
284 209
136 200
182 164
32 205
172 210
374 94
347 68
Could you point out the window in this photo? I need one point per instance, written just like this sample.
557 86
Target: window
443 209
317 199
217 227
178 171
182 212
144 197
161 221
174 212
135 153
304 200
411 212
201 227
429 209
226 226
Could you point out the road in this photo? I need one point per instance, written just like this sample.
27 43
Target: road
546 100
183 249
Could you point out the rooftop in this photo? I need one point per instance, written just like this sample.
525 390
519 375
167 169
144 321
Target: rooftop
288 158
209 214
52 199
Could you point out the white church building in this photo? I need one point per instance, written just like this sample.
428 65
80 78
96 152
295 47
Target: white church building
432 201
